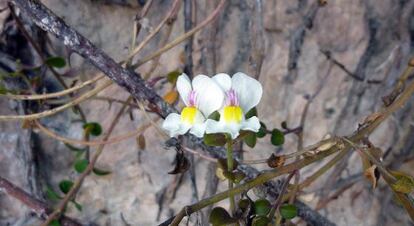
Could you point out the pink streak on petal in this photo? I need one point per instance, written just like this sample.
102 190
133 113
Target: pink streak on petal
192 98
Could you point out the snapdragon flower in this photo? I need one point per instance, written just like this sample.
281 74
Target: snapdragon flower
202 97
242 94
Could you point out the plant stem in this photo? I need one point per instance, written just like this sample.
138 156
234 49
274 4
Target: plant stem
230 169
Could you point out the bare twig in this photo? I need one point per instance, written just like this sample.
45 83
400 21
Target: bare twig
56 94
76 185
40 208
180 39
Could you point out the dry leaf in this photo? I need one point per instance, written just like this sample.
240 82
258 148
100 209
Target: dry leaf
28 124
326 146
220 173
141 142
323 2
171 97
372 174
275 161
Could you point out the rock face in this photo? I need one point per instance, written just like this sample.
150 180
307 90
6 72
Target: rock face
348 53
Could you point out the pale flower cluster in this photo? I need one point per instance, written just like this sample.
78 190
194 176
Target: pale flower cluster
232 97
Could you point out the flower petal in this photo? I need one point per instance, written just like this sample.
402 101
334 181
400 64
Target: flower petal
198 129
249 91
223 80
222 127
184 88
210 96
252 124
174 125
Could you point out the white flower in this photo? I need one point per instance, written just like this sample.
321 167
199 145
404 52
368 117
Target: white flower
242 94
202 97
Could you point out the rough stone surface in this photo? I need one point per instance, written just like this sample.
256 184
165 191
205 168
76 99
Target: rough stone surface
370 38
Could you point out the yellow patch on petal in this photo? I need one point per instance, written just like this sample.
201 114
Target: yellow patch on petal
188 115
232 114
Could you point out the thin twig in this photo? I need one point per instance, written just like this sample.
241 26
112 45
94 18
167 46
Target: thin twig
76 185
170 14
53 111
183 37
56 94
113 140
40 208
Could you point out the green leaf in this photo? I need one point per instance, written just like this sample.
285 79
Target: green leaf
219 216
65 186
77 205
215 139
288 211
262 207
260 221
277 138
173 76
214 116
251 113
262 131
93 128
52 195
100 172
244 204
80 165
54 223
404 183
3 90
57 62
250 139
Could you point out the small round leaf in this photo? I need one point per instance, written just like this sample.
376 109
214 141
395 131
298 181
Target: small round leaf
215 139
277 138
80 165
173 76
219 216
288 211
262 131
100 172
250 139
262 207
54 223
251 113
94 128
65 186
57 62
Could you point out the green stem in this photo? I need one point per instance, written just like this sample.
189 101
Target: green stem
230 169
